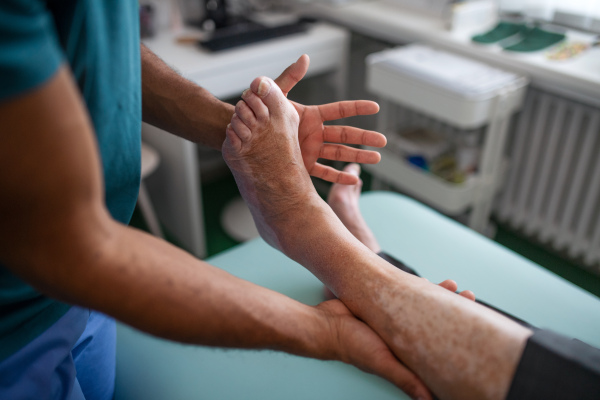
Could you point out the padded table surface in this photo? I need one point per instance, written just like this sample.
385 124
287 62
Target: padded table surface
437 247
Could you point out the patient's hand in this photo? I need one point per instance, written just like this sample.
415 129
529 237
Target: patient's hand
317 140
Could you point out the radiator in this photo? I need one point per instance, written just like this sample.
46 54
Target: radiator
552 189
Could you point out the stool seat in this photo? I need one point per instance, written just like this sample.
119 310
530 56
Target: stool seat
150 160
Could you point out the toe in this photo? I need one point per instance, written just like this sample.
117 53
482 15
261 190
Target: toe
245 114
353 168
233 140
241 130
262 86
258 108
269 92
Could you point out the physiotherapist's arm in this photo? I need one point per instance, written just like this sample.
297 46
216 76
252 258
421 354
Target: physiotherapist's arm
183 108
57 235
179 106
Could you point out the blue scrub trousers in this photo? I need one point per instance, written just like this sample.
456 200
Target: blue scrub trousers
73 360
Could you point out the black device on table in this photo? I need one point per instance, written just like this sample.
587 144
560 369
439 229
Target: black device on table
230 31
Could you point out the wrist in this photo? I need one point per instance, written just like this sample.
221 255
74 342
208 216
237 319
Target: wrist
321 338
210 124
309 333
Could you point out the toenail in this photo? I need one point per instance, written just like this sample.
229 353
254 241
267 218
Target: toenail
263 87
354 169
245 93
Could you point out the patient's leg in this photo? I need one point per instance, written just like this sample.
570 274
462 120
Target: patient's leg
460 349
343 200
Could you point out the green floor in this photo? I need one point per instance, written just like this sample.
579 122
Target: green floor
215 196
560 266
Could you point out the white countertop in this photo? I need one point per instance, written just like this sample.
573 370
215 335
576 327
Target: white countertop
226 73
578 78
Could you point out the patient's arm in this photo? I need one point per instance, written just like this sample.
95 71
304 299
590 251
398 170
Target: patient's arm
460 349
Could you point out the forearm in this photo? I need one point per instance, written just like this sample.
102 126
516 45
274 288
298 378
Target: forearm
459 348
158 288
57 235
179 106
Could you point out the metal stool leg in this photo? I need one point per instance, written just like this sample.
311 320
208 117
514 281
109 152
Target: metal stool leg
148 212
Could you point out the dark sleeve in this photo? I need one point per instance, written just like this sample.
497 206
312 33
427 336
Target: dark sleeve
556 367
397 263
29 49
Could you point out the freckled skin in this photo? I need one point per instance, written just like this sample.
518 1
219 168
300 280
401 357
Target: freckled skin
447 339
460 349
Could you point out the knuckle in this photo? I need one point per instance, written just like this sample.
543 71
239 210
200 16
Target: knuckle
240 106
344 135
342 110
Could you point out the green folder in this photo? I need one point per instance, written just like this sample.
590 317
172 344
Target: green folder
500 32
536 39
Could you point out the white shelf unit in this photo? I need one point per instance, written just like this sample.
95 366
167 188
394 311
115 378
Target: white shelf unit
407 76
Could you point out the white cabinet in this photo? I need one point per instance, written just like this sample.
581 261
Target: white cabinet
457 92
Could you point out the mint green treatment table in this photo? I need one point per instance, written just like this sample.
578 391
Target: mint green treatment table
437 247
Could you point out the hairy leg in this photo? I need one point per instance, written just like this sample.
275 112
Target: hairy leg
459 348
343 200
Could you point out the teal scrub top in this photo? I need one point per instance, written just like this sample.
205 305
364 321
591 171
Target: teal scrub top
99 41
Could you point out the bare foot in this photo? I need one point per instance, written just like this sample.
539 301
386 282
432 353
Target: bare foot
262 151
343 200
459 348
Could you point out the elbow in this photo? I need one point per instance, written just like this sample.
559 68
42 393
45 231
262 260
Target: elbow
56 259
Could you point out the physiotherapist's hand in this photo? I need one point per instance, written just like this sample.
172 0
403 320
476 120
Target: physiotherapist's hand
324 141
357 344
